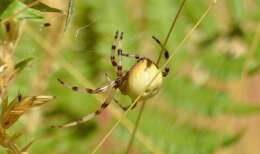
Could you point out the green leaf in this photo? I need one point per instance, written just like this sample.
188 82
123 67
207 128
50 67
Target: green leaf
229 140
16 6
43 7
244 109
69 14
22 64
4 4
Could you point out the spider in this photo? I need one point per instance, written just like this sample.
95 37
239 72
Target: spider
130 83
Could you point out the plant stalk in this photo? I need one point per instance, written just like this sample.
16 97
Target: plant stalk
135 128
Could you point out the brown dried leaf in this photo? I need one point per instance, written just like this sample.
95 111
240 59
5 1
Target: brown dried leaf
3 68
15 137
12 112
40 100
25 148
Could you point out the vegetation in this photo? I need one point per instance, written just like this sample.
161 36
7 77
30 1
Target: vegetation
207 104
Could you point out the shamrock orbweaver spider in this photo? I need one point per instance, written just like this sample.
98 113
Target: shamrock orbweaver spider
130 83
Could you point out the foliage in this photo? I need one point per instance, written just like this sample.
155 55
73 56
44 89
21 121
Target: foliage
182 118
10 33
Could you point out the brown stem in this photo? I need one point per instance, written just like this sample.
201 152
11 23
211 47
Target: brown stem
135 128
170 31
158 61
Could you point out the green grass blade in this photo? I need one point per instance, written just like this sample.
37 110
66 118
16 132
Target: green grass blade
16 6
43 7
22 64
69 14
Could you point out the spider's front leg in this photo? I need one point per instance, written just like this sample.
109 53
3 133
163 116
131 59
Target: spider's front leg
112 58
86 90
166 55
119 52
104 105
131 55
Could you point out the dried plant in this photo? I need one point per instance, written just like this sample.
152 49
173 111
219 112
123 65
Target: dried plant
11 112
9 36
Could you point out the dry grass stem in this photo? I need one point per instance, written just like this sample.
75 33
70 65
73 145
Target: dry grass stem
158 62
10 33
8 41
11 112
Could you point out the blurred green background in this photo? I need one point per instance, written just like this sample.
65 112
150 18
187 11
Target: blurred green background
206 104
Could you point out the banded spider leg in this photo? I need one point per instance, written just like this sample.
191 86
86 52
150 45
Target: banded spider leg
116 101
111 92
166 55
112 86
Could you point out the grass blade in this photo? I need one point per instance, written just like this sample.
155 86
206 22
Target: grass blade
69 14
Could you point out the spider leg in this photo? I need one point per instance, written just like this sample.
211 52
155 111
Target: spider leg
74 123
112 58
87 90
131 55
91 115
166 55
123 107
119 52
108 77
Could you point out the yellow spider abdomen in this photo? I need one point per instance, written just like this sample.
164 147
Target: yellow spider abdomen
139 77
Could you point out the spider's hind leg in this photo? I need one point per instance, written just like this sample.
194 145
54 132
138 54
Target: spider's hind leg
86 118
108 100
92 115
166 55
86 90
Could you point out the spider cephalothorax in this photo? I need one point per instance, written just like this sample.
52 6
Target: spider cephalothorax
131 83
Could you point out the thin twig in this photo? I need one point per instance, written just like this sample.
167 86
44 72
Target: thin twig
240 91
158 61
136 126
251 52
170 31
